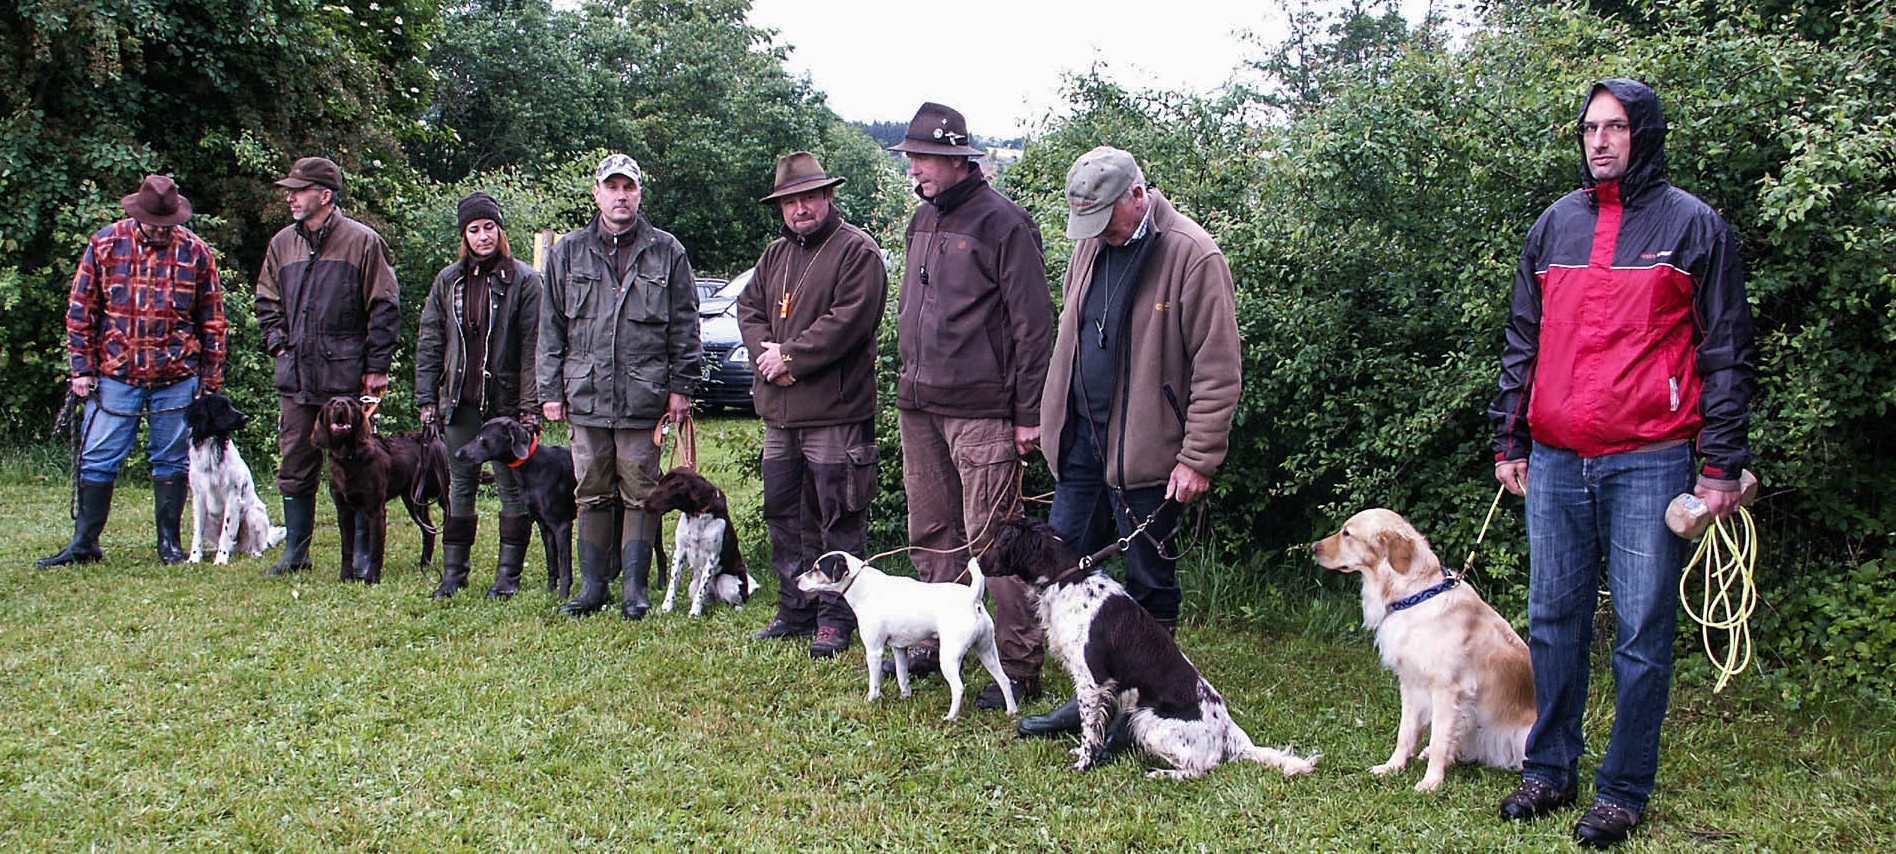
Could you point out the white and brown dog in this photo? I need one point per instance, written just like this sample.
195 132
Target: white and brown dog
1120 657
223 494
900 612
705 541
1464 673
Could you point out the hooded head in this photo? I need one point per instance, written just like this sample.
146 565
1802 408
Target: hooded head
1646 165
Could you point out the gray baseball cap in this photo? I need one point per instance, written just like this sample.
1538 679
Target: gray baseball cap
1095 182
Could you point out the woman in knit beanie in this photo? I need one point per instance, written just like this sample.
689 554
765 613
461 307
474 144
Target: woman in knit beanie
474 361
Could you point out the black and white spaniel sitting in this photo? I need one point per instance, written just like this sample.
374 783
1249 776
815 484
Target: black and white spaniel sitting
705 541
223 494
1122 660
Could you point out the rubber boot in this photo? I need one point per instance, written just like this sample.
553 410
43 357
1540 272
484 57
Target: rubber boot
1064 720
457 542
167 501
635 557
516 531
95 503
299 521
598 558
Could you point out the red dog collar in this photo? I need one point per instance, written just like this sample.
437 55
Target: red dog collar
531 447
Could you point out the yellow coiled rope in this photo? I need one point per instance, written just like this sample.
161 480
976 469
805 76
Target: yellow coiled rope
1726 559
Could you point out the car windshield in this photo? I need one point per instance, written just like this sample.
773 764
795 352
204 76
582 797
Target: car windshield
726 296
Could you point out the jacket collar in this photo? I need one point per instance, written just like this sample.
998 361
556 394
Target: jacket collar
948 199
822 232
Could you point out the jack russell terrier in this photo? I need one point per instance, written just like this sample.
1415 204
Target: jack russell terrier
900 612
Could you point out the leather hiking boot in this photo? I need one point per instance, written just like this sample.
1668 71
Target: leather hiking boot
778 627
830 640
1534 799
1025 691
1064 720
1605 825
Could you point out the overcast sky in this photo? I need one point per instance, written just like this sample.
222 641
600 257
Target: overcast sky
1000 64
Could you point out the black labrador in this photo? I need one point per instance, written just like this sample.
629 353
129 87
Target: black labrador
547 486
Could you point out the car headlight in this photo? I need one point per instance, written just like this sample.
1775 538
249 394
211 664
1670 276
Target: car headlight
740 355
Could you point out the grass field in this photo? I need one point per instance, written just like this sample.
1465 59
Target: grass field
210 709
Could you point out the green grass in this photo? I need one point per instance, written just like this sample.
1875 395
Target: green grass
208 708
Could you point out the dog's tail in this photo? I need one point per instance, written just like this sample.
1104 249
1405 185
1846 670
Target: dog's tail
977 581
275 537
1283 760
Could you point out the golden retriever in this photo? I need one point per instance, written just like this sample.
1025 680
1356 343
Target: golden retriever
1464 672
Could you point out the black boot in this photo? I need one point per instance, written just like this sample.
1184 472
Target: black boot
299 521
598 556
635 557
515 532
457 541
1064 720
167 501
95 503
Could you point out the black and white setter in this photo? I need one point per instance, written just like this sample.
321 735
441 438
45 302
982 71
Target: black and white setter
547 487
223 494
705 541
366 471
1122 660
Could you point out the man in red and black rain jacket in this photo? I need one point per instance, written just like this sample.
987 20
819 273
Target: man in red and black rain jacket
1626 379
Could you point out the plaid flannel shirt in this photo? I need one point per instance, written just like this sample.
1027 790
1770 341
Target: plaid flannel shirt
146 316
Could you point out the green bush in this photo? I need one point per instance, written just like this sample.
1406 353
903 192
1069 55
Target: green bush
1373 206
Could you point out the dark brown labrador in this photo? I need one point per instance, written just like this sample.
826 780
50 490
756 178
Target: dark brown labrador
366 471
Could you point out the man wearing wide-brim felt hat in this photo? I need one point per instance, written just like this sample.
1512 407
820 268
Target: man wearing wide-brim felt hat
974 326
144 333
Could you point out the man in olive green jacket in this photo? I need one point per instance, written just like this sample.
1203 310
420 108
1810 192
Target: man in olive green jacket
619 353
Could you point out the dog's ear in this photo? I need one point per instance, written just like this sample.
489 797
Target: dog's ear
1398 549
522 439
319 432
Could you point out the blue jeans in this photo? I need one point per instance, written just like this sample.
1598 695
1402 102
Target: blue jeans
112 413
1086 515
1585 515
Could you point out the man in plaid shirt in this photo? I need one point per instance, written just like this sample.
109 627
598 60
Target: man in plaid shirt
145 334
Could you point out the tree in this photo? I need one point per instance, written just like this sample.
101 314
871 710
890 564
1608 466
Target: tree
219 93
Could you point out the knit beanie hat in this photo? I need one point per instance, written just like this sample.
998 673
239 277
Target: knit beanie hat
479 205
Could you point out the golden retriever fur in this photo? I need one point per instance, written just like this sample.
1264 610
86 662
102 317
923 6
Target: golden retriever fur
1464 672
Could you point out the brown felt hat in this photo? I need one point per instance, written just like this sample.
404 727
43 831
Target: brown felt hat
158 202
938 129
313 172
799 172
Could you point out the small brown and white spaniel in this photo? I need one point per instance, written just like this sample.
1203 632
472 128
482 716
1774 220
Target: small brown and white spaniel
1464 673
705 541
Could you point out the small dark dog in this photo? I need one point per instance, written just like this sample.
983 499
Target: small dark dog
706 541
367 471
223 494
1120 657
547 486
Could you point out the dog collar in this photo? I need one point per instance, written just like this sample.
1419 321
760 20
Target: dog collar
531 447
1447 583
